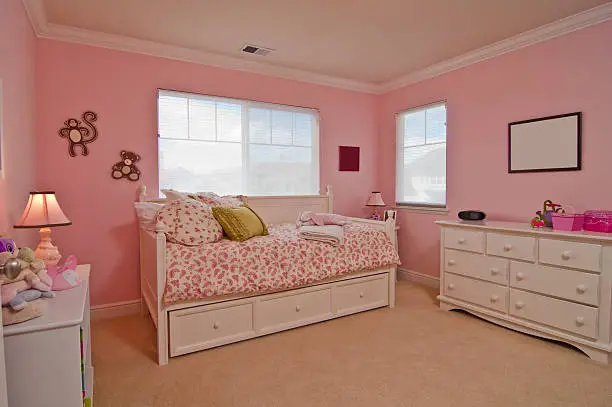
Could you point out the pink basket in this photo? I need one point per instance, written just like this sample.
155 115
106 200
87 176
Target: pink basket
598 221
567 221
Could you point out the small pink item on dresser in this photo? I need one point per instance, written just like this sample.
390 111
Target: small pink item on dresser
571 222
598 221
64 277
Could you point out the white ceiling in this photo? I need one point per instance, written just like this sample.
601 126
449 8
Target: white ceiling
369 41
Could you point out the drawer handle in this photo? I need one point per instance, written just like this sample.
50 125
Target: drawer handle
519 305
520 276
361 294
451 286
298 308
507 247
579 321
461 240
581 288
452 262
494 298
494 271
215 325
566 255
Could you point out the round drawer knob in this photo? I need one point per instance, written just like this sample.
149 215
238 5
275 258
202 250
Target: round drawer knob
519 305
579 321
507 247
215 325
566 255
494 298
494 271
451 286
452 262
581 288
461 240
298 308
361 294
520 276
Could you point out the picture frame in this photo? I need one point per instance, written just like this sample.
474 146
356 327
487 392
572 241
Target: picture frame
390 214
552 143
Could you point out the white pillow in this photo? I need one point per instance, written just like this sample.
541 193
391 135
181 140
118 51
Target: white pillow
146 212
173 195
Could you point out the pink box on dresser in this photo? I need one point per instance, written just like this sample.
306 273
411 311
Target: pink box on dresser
571 222
598 221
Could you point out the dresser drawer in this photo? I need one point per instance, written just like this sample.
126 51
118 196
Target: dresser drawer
278 313
360 295
197 328
462 239
584 256
476 265
568 284
511 246
477 292
576 318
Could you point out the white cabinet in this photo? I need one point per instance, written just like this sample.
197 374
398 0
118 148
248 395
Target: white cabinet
49 350
553 284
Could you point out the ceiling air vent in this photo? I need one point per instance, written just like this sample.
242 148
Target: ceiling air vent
254 49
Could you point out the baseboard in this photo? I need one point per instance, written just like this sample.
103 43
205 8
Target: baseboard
418 278
117 309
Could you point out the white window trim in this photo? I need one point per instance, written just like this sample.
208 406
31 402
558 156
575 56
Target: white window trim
245 103
399 162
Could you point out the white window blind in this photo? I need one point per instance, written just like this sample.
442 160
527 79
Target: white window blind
231 146
421 156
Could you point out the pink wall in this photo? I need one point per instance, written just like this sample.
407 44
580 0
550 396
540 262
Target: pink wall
566 74
17 52
121 88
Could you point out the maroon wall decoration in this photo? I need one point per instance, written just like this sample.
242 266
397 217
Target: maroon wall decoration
348 158
78 135
126 167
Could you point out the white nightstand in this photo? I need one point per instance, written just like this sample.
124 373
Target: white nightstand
43 355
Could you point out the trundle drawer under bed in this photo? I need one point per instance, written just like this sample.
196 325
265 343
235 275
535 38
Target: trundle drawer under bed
208 326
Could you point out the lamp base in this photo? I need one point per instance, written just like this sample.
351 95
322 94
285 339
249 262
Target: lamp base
375 215
45 249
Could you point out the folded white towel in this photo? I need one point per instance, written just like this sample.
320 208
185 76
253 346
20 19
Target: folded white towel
331 234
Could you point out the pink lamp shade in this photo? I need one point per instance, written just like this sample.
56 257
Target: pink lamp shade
42 211
375 199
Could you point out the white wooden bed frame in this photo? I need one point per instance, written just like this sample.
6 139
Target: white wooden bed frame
197 325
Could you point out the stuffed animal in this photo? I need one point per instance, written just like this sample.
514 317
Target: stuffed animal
31 283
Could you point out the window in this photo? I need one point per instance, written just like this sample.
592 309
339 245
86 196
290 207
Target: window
421 156
231 146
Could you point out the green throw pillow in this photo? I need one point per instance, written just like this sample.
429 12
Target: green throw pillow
239 223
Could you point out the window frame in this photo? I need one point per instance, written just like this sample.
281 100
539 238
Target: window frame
245 105
399 158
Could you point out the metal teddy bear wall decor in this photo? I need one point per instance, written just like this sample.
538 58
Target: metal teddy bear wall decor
79 135
126 168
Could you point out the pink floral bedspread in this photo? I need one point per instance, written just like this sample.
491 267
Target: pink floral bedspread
270 263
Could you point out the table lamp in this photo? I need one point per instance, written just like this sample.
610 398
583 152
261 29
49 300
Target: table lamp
42 211
376 201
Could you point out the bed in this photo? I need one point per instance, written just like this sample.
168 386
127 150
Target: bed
188 321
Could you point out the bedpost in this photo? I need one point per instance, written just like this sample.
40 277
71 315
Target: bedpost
142 193
162 315
330 199
392 233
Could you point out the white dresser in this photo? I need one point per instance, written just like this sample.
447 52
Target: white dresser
553 284
45 363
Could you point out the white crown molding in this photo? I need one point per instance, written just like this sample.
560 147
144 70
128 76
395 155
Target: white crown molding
43 29
546 32
121 43
37 15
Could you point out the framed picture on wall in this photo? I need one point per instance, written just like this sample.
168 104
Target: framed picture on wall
546 144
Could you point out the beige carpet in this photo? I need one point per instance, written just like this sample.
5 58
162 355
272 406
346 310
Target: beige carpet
413 355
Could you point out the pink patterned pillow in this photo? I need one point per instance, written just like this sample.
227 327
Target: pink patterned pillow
189 222
212 199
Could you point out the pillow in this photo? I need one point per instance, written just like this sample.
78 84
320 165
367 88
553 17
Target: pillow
146 212
189 222
173 195
240 223
212 199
